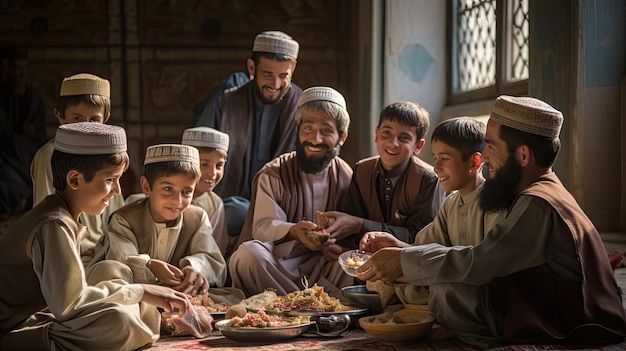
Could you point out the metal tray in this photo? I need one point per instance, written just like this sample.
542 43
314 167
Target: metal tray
252 334
331 326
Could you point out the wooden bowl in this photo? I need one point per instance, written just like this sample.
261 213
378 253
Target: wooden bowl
414 324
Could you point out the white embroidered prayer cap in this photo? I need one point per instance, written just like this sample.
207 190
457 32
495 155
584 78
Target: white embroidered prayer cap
276 42
528 114
172 152
84 84
206 137
88 138
322 93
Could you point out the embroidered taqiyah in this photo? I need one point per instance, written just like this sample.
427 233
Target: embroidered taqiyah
171 152
205 137
88 138
276 42
528 114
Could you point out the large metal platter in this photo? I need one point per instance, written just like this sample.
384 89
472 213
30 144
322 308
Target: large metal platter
252 334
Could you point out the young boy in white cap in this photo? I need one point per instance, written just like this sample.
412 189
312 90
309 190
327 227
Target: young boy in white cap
45 302
213 148
83 97
162 238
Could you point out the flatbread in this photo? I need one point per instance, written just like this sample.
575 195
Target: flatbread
386 292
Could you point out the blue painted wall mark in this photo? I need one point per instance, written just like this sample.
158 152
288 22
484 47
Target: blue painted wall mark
415 62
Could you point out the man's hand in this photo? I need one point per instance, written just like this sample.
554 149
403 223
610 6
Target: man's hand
165 272
374 241
193 283
165 298
384 265
332 251
299 232
343 224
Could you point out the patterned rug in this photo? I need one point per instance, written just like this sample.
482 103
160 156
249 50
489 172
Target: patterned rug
352 340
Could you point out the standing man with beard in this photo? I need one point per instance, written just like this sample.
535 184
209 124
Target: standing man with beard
274 250
258 116
541 275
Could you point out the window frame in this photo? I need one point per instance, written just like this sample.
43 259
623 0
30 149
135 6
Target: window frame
501 86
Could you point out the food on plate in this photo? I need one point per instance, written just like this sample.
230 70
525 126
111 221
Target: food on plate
386 292
259 301
196 321
320 235
205 301
309 299
237 310
262 320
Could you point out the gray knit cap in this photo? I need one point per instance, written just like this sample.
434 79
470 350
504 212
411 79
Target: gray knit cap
276 42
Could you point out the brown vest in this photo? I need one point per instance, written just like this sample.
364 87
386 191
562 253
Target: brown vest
238 122
137 214
404 193
286 169
539 308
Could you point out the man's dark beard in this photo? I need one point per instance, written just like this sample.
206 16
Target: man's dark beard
259 93
315 165
498 193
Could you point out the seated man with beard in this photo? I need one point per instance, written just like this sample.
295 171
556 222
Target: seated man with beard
541 274
273 249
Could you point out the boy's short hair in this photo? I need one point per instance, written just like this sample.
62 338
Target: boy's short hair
166 160
88 148
409 114
462 133
87 88
326 100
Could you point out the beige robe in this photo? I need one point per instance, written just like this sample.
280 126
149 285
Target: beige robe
45 301
132 232
214 207
283 196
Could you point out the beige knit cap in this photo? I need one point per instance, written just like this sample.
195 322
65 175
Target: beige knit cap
205 137
88 138
528 114
84 84
276 42
322 93
172 152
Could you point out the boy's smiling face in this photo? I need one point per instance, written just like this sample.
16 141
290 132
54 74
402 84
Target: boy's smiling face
169 196
396 143
212 169
94 196
452 171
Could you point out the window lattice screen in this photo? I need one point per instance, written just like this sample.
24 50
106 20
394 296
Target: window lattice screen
476 44
518 46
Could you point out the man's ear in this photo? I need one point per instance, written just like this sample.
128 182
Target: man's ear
343 139
476 162
523 155
145 185
251 68
106 118
73 179
418 146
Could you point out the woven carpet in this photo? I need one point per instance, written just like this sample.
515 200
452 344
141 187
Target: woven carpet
352 340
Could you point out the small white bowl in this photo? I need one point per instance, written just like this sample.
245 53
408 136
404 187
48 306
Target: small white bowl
351 260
